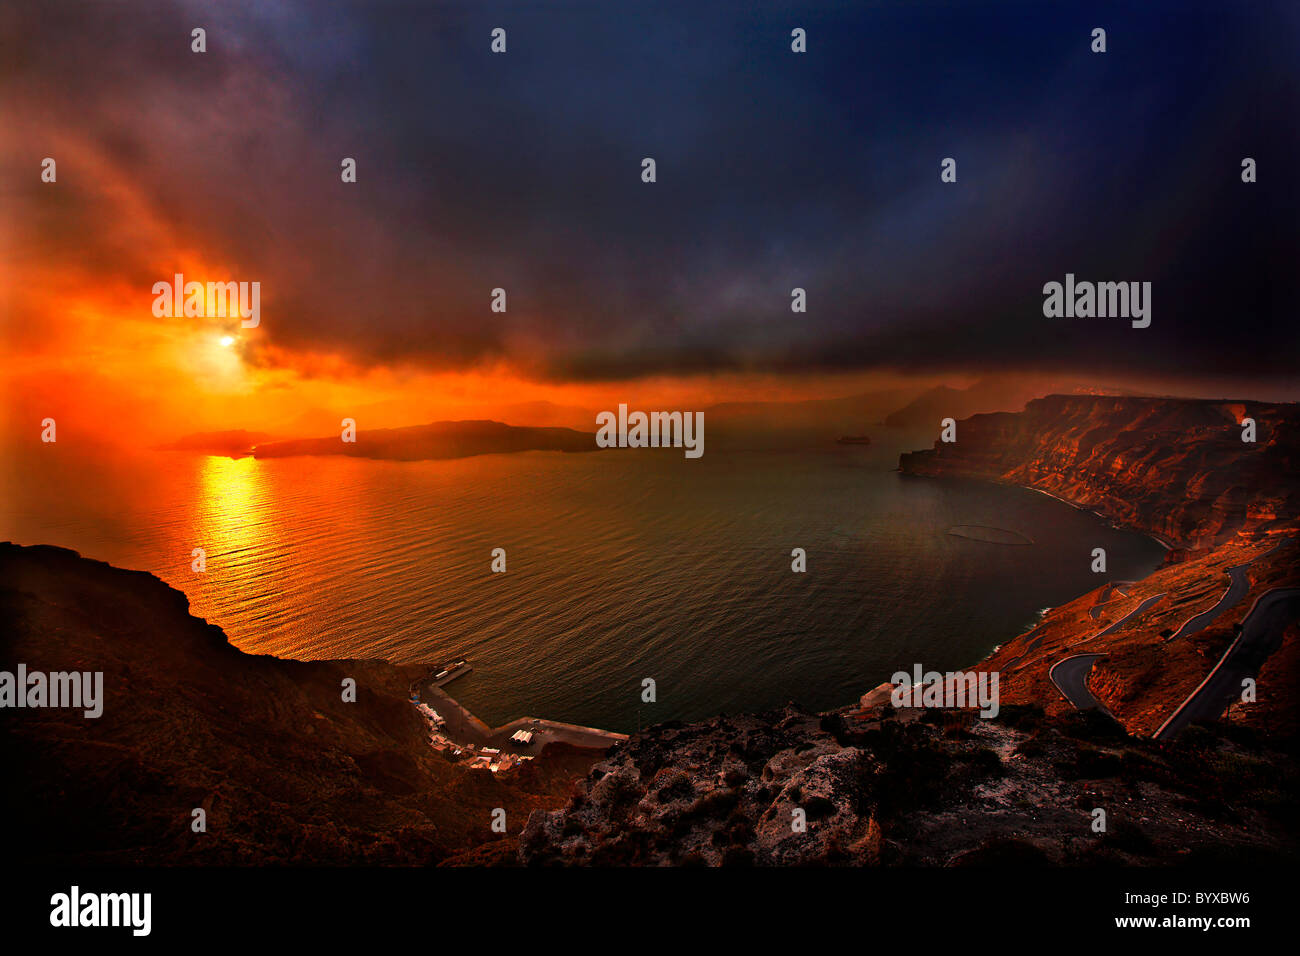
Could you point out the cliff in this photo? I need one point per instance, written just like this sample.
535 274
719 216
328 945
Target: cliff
286 770
1149 664
1176 468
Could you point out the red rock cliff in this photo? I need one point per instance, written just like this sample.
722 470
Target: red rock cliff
1177 468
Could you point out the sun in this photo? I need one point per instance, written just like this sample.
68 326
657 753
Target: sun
227 341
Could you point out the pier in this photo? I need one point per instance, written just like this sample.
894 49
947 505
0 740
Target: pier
492 746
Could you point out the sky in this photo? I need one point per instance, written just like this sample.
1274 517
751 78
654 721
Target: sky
522 171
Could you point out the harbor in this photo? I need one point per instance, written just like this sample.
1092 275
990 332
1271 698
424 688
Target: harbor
464 738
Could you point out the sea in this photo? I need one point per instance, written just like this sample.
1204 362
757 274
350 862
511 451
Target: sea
621 566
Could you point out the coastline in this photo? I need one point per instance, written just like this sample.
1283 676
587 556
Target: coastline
996 649
1160 539
1153 535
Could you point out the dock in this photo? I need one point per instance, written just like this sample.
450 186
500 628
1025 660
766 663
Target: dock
473 737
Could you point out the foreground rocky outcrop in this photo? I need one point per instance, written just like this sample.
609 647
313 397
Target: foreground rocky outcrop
286 770
1176 468
913 787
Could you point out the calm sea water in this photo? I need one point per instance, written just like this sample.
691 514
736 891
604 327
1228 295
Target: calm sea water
622 565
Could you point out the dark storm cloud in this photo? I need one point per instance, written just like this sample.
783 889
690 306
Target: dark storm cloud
775 170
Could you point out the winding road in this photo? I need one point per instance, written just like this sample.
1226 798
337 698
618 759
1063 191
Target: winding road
1070 674
1071 678
1107 596
1149 602
1261 633
1238 588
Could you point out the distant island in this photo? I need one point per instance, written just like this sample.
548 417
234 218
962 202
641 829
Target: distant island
435 440
853 440
236 443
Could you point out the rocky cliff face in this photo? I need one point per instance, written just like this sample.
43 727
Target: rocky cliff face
1177 468
286 770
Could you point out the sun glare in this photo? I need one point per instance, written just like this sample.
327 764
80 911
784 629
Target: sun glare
227 341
